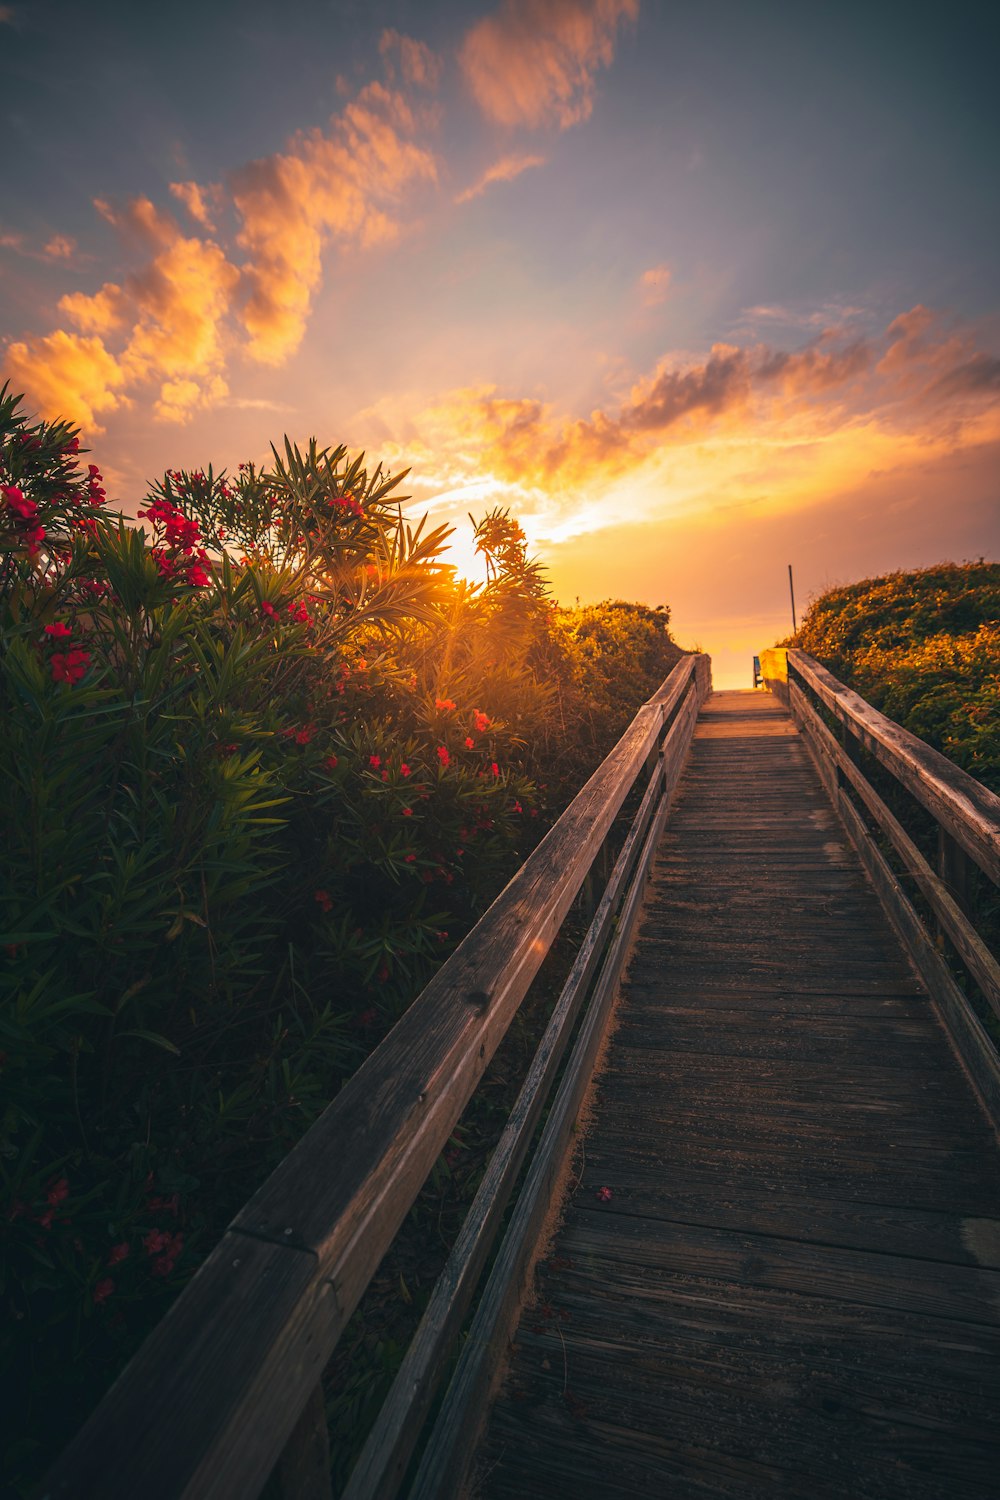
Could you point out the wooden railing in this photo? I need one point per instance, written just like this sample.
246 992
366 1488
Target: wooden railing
967 816
224 1398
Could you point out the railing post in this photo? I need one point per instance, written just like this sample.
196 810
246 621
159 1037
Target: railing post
303 1470
957 871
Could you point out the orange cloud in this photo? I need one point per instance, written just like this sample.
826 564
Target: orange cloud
65 375
420 67
787 422
183 298
140 218
59 247
194 198
533 62
328 187
504 170
100 313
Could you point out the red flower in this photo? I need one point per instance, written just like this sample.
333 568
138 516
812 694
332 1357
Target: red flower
469 742
517 807
410 859
495 768
383 974
407 812
374 761
69 666
330 764
305 734
57 1191
269 610
481 721
322 899
443 756
118 1253
603 1194
404 770
102 1291
444 704
58 631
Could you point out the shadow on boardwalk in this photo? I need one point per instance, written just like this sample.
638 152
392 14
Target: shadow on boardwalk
793 1288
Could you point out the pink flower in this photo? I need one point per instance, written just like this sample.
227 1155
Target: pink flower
102 1291
407 812
269 610
495 769
58 631
404 770
443 756
331 763
374 761
603 1195
322 899
118 1253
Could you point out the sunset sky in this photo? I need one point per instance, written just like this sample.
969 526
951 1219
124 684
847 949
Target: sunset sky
698 289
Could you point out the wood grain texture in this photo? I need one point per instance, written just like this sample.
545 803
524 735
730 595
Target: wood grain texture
794 1287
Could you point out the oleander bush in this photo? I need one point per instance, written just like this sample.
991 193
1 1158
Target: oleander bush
264 761
924 647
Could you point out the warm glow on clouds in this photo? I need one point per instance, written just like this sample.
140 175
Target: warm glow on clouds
504 170
100 313
181 316
58 247
194 199
68 376
744 427
533 62
339 186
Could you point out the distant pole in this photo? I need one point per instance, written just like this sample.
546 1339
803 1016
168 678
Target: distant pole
791 590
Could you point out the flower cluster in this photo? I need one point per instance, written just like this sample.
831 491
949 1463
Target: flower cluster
176 552
66 666
23 513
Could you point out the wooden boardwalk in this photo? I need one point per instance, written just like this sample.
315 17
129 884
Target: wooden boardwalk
793 1288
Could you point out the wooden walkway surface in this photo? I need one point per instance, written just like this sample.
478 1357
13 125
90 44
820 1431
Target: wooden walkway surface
794 1286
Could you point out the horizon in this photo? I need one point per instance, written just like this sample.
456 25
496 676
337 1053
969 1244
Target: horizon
697 293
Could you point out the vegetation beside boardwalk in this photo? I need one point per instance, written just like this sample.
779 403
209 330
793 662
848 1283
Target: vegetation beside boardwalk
924 647
265 759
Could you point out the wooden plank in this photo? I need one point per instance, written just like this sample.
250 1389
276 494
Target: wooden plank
961 1293
967 809
303 1470
889 1229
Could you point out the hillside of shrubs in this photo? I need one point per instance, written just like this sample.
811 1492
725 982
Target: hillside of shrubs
265 759
924 647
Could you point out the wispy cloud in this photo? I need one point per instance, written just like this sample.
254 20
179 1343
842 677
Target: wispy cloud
418 65
59 247
534 62
504 170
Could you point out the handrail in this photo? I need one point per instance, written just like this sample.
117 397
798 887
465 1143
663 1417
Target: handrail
968 819
967 809
208 1404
